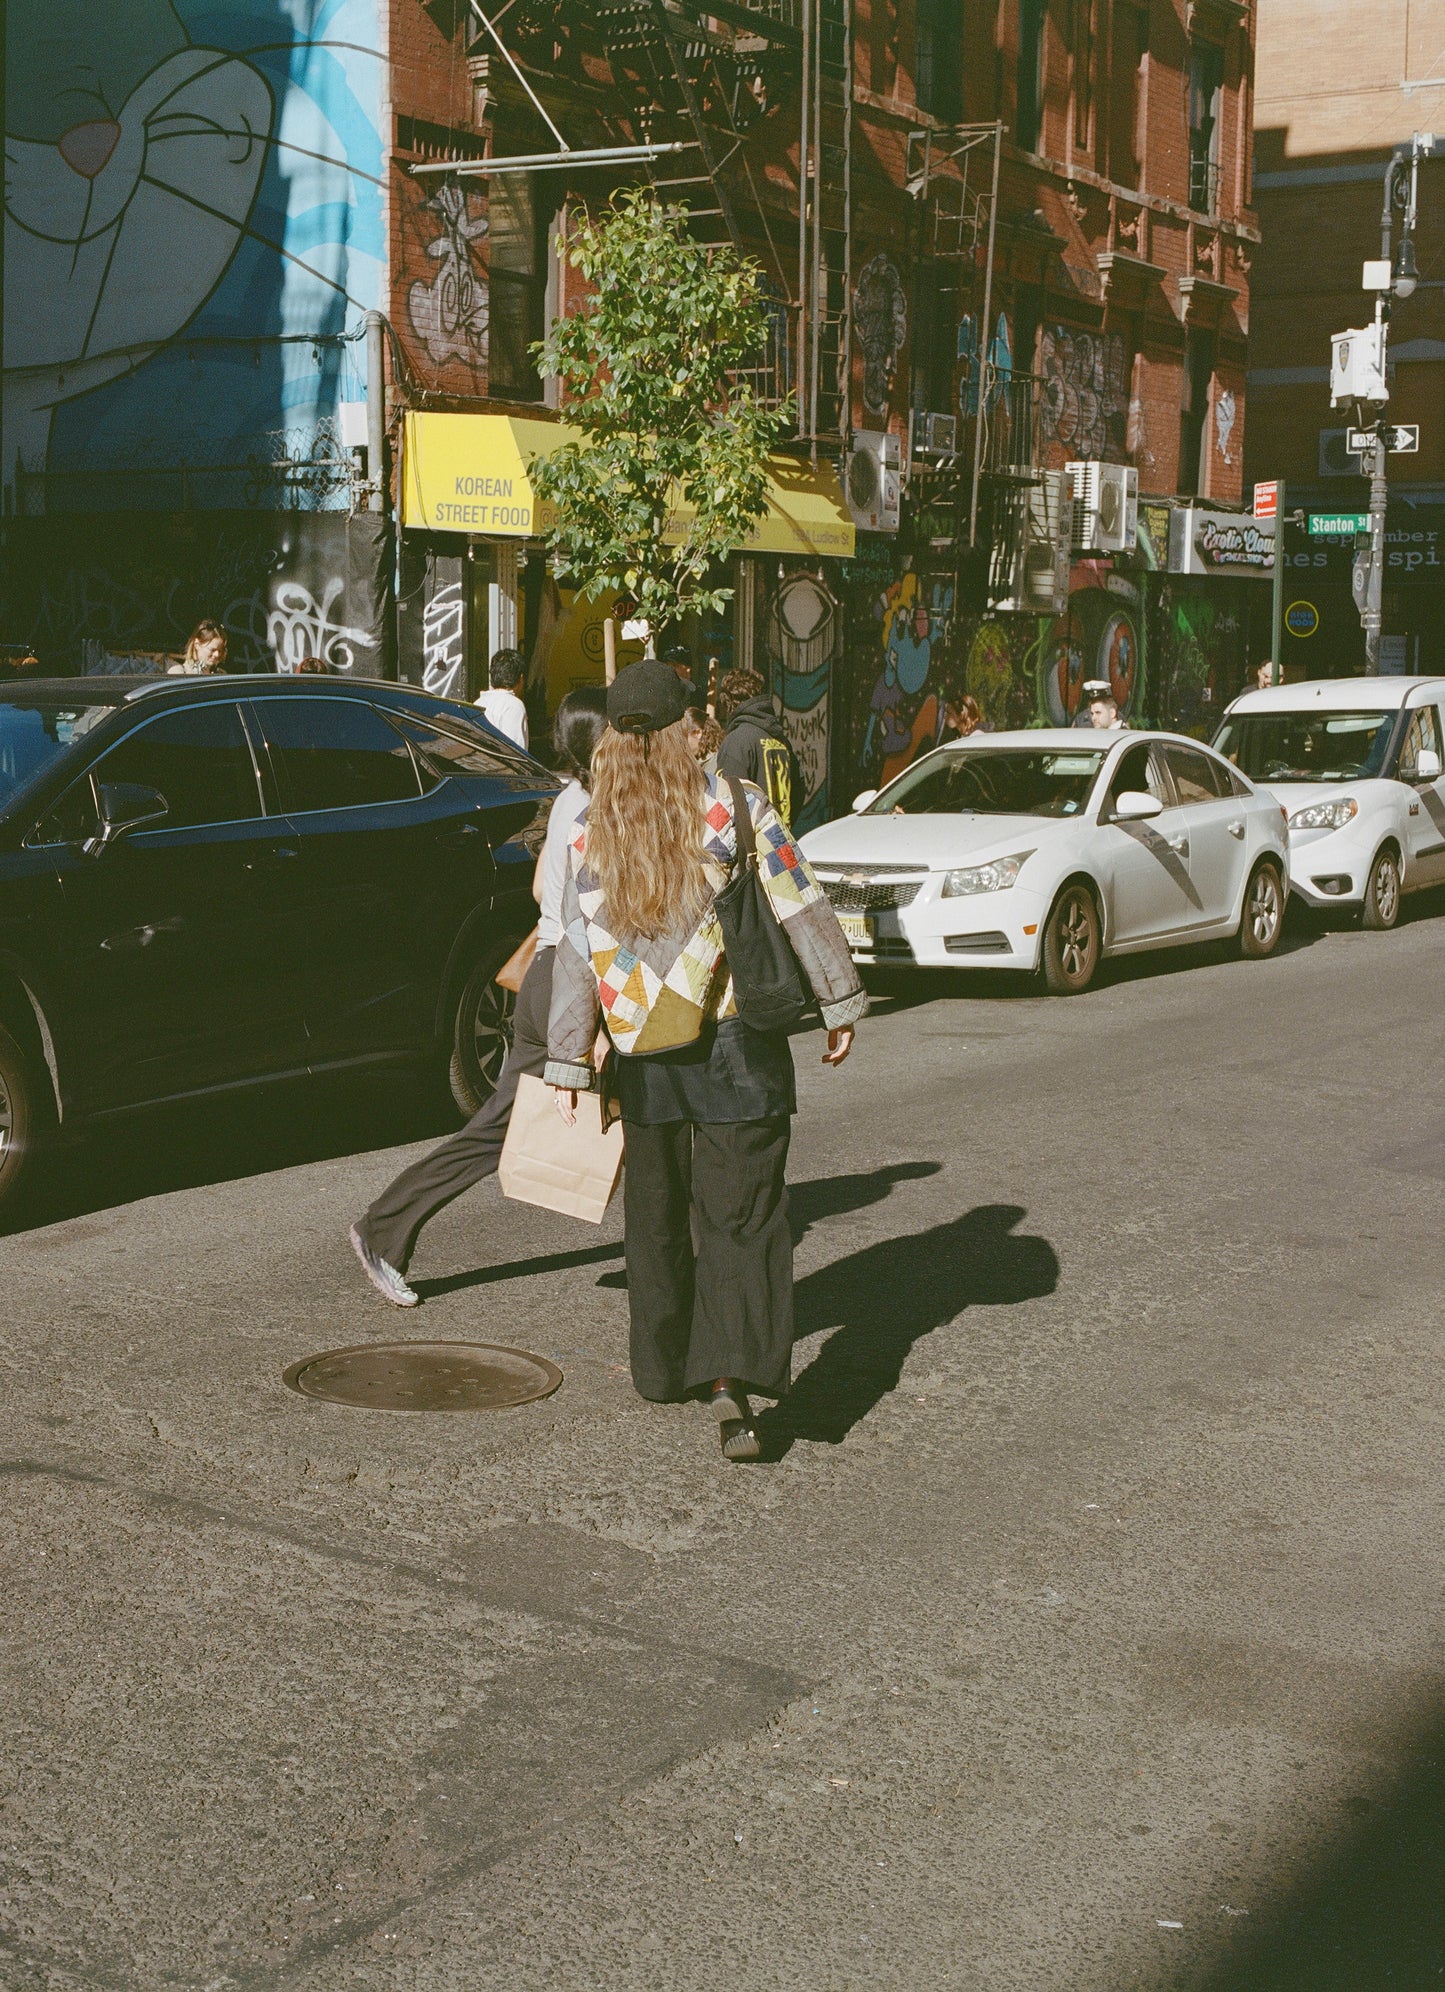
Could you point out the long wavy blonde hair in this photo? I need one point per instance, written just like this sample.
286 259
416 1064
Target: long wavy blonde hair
645 832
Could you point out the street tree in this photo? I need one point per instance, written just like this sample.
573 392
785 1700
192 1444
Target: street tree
668 473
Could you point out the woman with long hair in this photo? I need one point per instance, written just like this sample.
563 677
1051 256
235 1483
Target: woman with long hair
385 1238
706 1100
205 654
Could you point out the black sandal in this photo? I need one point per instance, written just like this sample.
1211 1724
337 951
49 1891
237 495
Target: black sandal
735 1420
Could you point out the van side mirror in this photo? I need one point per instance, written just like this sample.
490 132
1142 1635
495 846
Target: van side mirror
123 807
1135 805
1427 765
862 800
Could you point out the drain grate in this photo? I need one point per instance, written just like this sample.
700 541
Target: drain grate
424 1376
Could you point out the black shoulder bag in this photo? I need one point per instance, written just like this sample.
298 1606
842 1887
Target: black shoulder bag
767 982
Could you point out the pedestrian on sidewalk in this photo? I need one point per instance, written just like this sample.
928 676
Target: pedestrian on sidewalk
385 1238
706 1101
500 705
754 746
205 654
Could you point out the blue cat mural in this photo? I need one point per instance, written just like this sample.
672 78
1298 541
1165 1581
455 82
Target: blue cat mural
193 214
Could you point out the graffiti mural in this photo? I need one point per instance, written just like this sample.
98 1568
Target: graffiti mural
284 585
880 321
193 222
912 618
1084 399
448 309
802 629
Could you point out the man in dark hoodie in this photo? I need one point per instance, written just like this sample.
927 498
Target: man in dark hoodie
754 747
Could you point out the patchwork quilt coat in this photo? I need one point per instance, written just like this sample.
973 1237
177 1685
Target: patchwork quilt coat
656 995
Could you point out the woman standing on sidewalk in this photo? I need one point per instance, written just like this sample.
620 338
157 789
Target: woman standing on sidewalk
385 1238
706 1100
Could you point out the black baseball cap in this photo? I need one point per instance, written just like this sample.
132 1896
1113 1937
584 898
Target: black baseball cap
646 697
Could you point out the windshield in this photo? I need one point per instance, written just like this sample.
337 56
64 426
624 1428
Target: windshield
35 733
1306 746
994 781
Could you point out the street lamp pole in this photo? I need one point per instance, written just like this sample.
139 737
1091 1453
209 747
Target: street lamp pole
1360 375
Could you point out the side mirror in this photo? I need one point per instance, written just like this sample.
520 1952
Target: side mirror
1427 765
1134 805
862 800
123 807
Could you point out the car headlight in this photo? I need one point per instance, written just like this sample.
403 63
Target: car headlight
1326 815
996 877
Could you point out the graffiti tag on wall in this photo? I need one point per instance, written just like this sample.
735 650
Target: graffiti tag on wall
880 321
450 313
1084 400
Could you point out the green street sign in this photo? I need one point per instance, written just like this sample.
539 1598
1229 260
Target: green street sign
1338 525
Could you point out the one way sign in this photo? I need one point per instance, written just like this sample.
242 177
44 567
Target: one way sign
1399 438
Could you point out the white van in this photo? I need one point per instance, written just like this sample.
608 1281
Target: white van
1358 765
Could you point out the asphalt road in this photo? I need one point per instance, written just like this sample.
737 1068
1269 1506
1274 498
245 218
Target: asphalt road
1082 1630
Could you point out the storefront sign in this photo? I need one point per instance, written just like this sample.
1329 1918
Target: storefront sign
1301 618
468 474
1210 542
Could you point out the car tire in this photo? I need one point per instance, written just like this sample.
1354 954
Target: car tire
1072 941
1261 920
23 1102
481 1032
1382 890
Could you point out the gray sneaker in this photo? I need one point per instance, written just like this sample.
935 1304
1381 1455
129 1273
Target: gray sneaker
386 1279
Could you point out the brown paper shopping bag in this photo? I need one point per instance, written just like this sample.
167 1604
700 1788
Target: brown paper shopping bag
571 1169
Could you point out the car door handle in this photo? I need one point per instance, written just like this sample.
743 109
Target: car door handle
274 859
1236 829
1179 844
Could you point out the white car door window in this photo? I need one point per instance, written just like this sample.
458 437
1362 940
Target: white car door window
1143 866
1218 833
1424 734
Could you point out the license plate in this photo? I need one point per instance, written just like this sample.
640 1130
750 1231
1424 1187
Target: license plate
857 928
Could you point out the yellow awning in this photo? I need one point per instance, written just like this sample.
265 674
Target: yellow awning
468 474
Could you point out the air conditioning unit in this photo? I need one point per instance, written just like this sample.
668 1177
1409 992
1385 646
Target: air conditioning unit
873 480
934 436
1031 555
1106 506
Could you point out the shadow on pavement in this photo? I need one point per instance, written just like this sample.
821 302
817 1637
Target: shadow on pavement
520 1269
183 1147
1368 1912
883 1300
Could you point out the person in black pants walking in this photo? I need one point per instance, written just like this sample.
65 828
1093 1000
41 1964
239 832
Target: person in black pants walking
385 1238
706 1100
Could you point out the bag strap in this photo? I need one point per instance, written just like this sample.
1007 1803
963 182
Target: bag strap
743 823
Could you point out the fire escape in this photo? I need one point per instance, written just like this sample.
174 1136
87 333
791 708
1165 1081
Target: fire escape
738 111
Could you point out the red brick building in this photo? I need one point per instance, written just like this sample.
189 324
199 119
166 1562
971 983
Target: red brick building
1029 221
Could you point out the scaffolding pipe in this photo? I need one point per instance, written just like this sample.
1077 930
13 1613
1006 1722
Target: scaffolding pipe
541 162
804 140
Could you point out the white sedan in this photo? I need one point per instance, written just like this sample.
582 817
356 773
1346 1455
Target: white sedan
1358 765
1047 850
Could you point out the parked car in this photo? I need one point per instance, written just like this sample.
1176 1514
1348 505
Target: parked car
1047 850
1358 765
208 883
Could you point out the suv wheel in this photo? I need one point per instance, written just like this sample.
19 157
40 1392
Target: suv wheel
1262 921
481 1033
22 1107
1071 942
1382 891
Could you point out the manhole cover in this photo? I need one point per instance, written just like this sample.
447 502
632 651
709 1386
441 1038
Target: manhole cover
425 1376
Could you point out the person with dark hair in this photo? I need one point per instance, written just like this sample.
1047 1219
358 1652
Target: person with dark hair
754 746
313 667
500 704
385 1238
205 654
679 658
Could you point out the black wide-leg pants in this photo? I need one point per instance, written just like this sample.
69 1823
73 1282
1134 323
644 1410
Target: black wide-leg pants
393 1223
723 1307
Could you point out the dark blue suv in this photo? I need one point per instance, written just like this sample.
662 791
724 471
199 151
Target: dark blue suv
216 882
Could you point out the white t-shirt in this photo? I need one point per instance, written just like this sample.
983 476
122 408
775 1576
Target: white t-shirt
560 825
505 711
